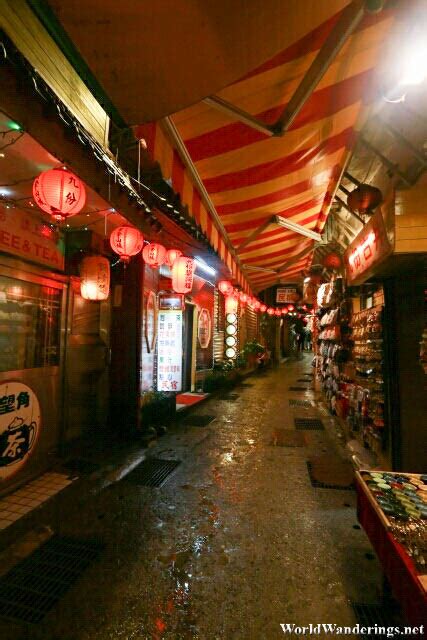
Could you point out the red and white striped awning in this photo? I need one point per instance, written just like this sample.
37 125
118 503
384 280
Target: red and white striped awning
251 177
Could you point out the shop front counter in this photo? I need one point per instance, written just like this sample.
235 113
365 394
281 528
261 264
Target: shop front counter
392 509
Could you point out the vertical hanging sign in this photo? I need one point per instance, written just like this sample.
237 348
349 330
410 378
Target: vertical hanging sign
169 351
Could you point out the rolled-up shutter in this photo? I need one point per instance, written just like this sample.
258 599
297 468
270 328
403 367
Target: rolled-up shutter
219 336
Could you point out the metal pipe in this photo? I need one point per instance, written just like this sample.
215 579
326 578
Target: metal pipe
388 163
347 23
404 141
186 158
239 114
343 204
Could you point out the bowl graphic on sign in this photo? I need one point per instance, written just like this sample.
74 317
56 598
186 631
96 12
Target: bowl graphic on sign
20 423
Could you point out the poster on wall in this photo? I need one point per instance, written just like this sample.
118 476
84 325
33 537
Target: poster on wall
169 351
204 328
20 423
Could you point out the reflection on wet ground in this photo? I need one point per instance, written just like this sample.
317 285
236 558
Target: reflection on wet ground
237 542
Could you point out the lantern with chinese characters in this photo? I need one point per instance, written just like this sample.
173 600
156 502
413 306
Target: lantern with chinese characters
182 274
270 311
225 287
231 304
126 241
95 278
263 308
154 254
171 256
332 261
278 312
59 193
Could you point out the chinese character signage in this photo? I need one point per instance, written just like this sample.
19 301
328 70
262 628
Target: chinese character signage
19 426
25 236
286 294
369 248
169 351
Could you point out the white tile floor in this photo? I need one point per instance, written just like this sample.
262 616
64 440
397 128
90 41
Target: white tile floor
31 496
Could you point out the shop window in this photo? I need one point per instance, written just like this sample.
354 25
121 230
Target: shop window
29 325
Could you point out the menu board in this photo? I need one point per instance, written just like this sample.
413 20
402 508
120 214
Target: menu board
169 351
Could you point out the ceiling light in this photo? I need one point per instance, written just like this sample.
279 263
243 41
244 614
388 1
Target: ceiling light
297 228
203 266
2 155
413 67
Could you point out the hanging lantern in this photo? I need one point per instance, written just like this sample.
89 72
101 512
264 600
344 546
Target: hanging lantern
257 305
95 278
231 304
171 256
243 297
332 261
182 274
278 312
270 311
291 307
126 241
263 308
59 193
364 199
154 254
225 287
284 311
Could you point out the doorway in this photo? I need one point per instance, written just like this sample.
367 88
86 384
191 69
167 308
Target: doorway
188 347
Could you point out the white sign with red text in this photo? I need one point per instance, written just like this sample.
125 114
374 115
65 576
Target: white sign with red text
169 351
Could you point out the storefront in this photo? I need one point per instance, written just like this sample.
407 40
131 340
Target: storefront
370 330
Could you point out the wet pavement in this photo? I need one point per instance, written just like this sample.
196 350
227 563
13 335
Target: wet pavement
236 542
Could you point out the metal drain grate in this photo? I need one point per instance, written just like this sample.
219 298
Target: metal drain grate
34 586
295 402
309 424
199 421
153 472
299 389
323 485
230 397
369 615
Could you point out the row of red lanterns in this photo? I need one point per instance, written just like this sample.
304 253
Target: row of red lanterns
233 296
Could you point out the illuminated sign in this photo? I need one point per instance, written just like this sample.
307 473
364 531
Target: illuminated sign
169 351
171 301
204 329
369 248
286 294
25 236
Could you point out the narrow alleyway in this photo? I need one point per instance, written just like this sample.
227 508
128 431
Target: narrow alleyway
235 543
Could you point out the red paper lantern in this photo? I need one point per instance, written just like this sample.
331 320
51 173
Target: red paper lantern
257 305
154 254
270 311
364 199
95 278
278 312
225 287
171 256
243 297
59 193
182 274
231 304
263 308
126 241
332 261
291 307
284 311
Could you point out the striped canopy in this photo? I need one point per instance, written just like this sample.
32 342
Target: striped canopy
251 177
